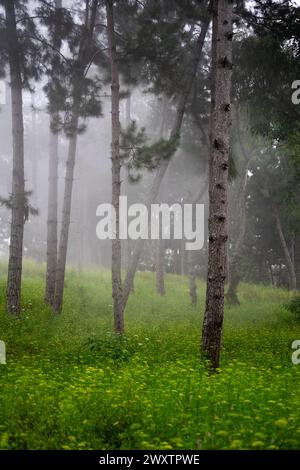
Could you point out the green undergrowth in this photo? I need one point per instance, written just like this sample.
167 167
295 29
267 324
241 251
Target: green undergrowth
70 383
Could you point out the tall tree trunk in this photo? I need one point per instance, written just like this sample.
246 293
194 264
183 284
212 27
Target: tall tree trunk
218 179
288 259
18 183
181 106
159 245
192 277
80 67
65 222
116 170
126 186
234 274
192 254
34 157
51 261
234 271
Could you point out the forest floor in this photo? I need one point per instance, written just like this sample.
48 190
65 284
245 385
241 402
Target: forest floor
69 383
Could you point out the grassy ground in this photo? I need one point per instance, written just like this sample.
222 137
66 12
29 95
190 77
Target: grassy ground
70 384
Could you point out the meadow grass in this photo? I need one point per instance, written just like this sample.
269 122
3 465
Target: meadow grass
69 383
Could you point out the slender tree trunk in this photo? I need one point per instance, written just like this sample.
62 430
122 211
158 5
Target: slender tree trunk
51 261
192 278
234 265
82 61
288 259
126 187
218 180
192 254
164 163
65 223
292 251
52 218
34 158
159 245
160 267
116 170
18 183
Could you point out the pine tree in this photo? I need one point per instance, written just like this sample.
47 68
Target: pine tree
116 170
218 179
83 102
51 261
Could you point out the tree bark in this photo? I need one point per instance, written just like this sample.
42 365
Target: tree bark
288 259
160 173
51 258
116 170
13 293
82 62
218 180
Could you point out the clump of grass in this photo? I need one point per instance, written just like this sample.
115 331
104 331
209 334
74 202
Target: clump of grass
294 305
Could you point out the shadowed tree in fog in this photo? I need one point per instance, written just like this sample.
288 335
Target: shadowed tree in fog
159 248
22 56
272 115
51 261
247 152
191 67
116 259
218 179
18 182
83 102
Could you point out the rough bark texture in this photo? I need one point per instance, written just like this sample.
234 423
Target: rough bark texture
116 171
51 260
18 183
288 259
82 62
181 106
218 180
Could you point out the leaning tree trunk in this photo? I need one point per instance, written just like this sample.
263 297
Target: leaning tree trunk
126 185
66 216
192 274
82 62
218 180
192 277
52 219
159 244
234 265
18 183
180 111
288 259
51 260
116 170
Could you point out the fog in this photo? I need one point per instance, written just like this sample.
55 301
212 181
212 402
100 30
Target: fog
144 102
